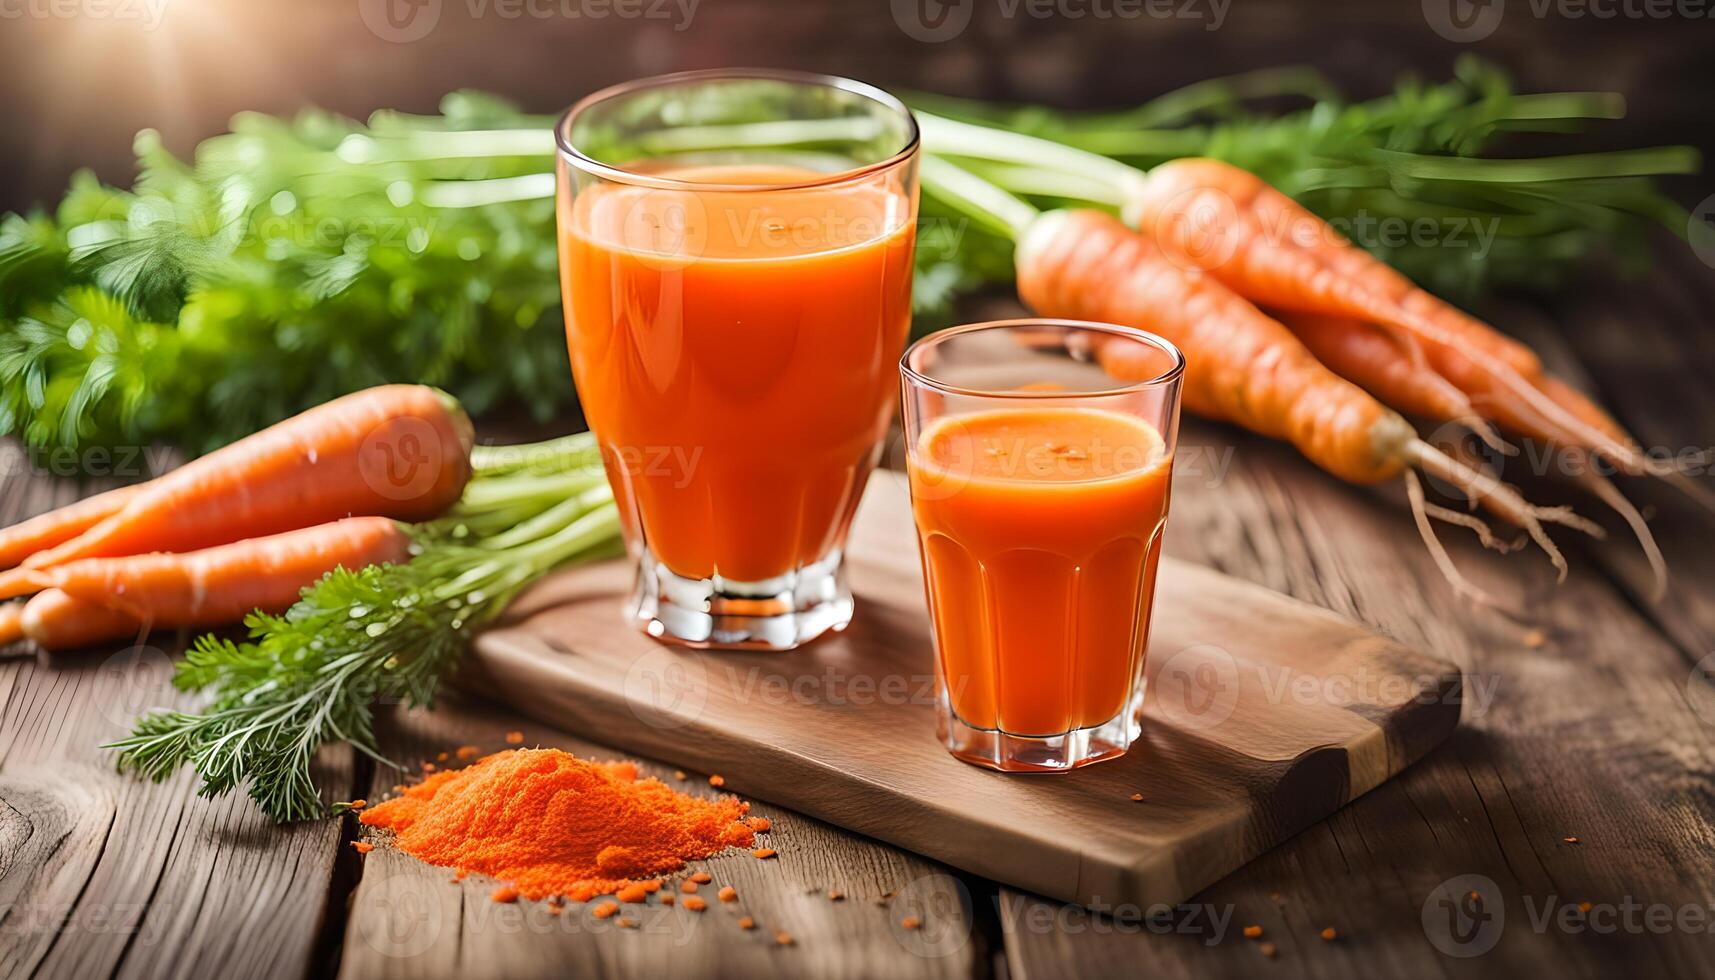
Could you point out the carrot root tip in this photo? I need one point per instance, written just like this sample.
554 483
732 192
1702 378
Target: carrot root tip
1420 514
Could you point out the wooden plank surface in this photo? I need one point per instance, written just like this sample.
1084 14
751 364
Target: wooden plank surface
1598 728
410 919
1302 713
1603 731
104 875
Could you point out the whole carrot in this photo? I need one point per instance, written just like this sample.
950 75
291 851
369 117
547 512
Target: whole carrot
11 622
1246 368
399 451
1271 250
44 531
56 621
1366 355
1372 359
221 584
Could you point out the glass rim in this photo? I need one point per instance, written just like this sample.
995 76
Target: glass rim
619 174
1173 373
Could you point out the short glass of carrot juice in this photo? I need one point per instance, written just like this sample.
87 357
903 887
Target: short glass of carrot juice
1040 457
736 258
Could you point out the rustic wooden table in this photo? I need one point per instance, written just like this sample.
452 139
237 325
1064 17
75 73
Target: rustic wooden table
1582 773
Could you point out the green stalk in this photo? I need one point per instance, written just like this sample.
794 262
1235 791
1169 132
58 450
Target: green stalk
977 198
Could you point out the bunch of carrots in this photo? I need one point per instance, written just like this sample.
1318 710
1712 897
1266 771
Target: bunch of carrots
242 529
1289 330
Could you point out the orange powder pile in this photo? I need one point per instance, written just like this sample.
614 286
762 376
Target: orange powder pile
552 824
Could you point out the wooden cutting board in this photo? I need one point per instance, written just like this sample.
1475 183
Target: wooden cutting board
1263 716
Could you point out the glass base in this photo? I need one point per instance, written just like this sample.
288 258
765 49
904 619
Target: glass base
781 613
1006 752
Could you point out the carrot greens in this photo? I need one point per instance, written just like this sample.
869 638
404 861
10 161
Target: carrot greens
290 261
385 634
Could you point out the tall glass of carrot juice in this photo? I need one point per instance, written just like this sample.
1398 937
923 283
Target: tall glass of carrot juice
736 256
1040 454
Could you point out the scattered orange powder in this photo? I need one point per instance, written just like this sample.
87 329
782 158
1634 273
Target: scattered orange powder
728 894
551 824
362 846
604 910
695 904
466 753
747 923
702 877
505 893
760 825
688 887
632 894
514 738
717 780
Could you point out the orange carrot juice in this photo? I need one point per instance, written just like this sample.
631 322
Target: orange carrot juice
1040 528
733 332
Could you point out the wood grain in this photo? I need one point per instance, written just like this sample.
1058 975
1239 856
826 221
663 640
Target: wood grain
106 875
1588 735
1225 771
411 919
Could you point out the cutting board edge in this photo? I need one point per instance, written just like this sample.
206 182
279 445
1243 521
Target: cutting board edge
1151 878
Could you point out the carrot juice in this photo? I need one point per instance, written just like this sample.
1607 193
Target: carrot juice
1039 522
733 329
